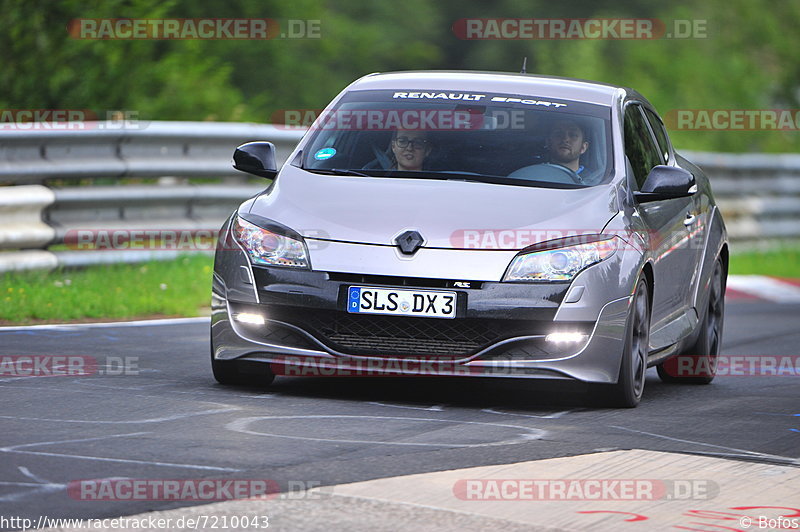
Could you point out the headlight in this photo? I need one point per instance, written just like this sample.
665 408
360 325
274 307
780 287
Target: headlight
269 248
560 263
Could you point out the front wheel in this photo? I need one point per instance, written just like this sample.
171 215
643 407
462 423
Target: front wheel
234 372
627 392
698 363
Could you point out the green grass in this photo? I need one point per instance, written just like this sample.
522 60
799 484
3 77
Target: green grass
183 288
783 261
172 288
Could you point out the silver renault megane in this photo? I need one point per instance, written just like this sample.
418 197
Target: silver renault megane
475 224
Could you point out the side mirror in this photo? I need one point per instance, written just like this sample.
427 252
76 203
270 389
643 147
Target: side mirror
666 182
257 158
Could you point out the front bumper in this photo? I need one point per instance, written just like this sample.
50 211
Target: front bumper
500 330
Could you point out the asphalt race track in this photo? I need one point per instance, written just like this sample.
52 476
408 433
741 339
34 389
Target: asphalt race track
160 415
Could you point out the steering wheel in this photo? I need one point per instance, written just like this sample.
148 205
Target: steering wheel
548 172
569 171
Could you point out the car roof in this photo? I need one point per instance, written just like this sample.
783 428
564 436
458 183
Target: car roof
497 82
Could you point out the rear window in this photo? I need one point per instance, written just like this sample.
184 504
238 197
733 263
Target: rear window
498 138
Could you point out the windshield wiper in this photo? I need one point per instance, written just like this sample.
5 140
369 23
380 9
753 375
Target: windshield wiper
445 175
474 177
457 175
449 175
336 171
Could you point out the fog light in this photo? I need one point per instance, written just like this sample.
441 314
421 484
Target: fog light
249 318
565 337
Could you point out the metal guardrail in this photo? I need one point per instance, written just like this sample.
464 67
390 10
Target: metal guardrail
759 194
152 149
34 218
38 217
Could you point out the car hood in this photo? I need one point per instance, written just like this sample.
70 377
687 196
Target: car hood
448 214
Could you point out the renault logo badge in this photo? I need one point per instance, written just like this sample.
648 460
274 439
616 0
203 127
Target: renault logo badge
409 242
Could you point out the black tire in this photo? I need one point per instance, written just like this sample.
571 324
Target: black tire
628 390
704 352
224 371
234 372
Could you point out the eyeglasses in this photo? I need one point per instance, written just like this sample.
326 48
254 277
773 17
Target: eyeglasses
416 144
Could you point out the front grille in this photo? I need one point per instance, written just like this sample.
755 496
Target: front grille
406 336
389 280
369 335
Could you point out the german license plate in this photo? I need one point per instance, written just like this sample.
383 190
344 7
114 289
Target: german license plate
401 302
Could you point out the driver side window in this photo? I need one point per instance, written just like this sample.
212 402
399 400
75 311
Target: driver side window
661 135
639 147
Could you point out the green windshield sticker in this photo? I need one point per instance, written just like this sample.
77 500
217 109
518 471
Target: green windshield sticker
325 153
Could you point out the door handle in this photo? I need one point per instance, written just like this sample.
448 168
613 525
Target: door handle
689 220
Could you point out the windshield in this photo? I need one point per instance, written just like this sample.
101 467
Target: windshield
496 138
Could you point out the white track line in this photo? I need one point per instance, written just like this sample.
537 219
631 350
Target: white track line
174 417
17 449
554 415
138 323
527 434
739 452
